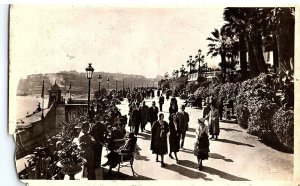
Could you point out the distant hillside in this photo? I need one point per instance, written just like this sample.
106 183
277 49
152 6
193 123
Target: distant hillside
33 83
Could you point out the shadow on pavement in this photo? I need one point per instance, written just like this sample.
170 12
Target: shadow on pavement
190 135
187 172
222 174
230 130
192 130
187 151
114 175
229 121
138 155
233 142
219 156
144 136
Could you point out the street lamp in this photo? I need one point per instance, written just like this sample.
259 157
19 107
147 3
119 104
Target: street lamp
108 83
99 82
116 85
89 76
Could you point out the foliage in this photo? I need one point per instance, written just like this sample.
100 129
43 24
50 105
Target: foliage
201 91
103 92
260 121
283 127
192 87
228 91
164 84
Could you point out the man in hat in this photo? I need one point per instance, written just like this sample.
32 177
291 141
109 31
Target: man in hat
183 123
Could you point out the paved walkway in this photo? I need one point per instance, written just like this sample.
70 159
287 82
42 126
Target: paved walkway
236 156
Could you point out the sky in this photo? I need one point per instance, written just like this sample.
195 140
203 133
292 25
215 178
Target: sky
133 40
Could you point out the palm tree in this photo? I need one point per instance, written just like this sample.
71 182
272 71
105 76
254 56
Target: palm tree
280 24
218 47
246 24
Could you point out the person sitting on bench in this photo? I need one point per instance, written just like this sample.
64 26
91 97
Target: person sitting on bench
114 158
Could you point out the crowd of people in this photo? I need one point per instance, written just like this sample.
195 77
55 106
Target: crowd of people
103 125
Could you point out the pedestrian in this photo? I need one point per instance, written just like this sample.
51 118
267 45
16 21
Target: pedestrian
158 92
206 110
159 145
183 121
213 121
201 147
168 95
144 115
173 109
87 143
99 133
153 113
174 137
161 102
221 108
131 108
136 118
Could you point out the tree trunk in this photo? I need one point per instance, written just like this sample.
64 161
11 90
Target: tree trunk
223 62
257 48
254 71
275 54
243 56
286 47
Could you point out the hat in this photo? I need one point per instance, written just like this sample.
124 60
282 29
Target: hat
201 120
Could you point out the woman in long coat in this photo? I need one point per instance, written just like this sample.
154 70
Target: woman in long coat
213 121
174 137
201 147
159 144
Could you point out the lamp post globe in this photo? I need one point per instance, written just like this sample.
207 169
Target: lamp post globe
89 75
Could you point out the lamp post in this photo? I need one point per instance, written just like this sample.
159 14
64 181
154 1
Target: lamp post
99 82
116 85
89 76
108 83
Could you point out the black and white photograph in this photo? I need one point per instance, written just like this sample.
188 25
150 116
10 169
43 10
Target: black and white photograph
147 93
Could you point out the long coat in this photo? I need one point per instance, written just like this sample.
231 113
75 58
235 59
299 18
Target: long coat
201 146
159 144
183 118
144 113
213 122
153 114
174 138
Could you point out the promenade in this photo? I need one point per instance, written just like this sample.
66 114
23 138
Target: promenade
235 156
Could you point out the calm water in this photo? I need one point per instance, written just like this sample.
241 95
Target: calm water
29 104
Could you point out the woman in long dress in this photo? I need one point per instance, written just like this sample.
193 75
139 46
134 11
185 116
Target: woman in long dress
213 121
202 143
159 144
174 137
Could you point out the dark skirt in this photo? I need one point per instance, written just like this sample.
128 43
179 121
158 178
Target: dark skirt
174 141
201 147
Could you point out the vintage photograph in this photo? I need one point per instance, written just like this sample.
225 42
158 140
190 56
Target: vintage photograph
152 93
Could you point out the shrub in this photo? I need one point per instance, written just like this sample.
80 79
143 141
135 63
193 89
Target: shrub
252 92
201 91
260 120
283 127
192 87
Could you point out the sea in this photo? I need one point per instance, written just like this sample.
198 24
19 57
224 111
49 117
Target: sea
28 104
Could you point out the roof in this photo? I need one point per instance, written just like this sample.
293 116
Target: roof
55 87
